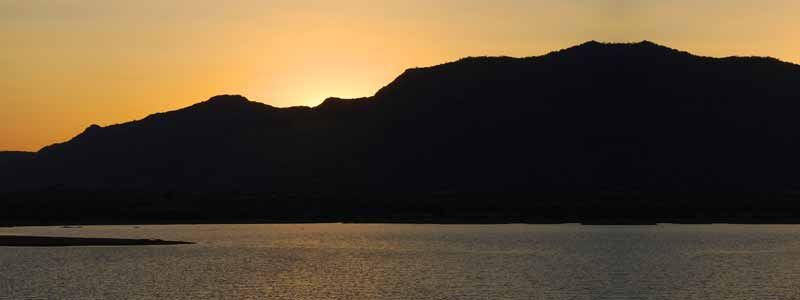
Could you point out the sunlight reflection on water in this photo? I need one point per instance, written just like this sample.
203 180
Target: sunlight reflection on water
343 261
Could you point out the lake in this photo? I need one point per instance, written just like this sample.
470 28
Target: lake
376 261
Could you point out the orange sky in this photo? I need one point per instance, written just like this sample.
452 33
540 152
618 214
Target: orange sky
65 64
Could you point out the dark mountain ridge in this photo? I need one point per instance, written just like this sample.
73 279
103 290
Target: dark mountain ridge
595 119
14 157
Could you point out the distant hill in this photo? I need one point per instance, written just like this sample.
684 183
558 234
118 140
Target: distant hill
592 119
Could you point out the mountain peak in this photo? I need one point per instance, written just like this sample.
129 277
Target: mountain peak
228 103
597 44
92 129
226 99
639 49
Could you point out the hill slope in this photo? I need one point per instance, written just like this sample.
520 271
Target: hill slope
595 118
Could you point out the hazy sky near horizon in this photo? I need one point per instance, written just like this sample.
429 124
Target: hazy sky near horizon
66 64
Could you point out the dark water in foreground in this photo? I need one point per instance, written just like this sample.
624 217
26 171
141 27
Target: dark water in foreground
336 261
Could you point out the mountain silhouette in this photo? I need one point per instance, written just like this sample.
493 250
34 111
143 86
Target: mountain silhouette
594 119
15 157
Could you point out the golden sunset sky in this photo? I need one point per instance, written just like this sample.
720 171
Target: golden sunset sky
66 64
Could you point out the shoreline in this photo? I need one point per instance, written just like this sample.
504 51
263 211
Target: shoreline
52 241
409 222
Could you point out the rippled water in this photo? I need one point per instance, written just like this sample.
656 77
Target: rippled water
340 261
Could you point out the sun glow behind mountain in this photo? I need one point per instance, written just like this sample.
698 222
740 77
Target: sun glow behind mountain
66 64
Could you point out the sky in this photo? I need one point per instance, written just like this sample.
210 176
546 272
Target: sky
66 64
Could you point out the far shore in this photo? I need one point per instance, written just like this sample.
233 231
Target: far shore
420 221
48 241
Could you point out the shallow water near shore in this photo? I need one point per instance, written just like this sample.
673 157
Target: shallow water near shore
377 261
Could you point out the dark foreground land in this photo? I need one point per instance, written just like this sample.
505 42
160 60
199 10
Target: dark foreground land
45 241
62 207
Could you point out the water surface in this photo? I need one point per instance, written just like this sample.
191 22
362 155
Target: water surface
366 261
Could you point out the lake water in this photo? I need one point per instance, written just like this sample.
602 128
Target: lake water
344 261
